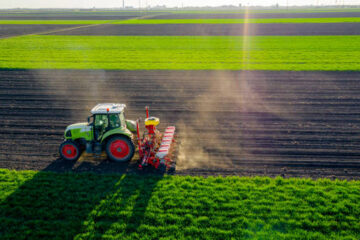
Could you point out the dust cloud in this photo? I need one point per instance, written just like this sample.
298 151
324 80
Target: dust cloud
77 91
228 104
202 143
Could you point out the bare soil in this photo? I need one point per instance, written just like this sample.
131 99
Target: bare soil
280 29
10 30
229 122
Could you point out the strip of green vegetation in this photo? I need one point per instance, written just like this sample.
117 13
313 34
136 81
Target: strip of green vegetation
238 21
182 52
80 22
188 21
269 10
40 205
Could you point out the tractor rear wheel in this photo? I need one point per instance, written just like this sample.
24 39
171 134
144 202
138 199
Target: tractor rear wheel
69 151
120 149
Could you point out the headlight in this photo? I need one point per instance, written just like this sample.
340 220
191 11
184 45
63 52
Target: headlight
68 133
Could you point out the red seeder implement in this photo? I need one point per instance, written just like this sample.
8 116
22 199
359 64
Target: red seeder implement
156 149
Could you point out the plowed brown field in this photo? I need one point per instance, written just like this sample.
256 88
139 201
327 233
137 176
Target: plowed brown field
258 29
11 30
229 122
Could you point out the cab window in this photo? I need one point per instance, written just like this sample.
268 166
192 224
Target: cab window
101 120
114 121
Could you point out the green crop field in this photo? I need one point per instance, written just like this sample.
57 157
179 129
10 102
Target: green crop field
189 21
264 10
40 205
238 21
182 52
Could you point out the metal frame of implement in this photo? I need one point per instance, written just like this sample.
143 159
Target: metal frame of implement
156 149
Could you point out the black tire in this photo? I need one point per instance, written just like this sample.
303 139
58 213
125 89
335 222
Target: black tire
162 168
69 150
116 145
172 169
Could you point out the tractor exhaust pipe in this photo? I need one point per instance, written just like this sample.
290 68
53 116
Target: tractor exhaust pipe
147 111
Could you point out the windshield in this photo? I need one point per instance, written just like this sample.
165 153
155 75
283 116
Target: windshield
101 120
107 120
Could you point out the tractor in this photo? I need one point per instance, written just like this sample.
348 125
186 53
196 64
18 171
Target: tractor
108 130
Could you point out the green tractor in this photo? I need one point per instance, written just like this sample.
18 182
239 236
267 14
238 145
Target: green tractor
106 129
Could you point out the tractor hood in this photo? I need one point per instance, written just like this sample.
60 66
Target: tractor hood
83 126
78 130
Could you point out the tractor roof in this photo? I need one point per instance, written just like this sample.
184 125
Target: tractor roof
103 108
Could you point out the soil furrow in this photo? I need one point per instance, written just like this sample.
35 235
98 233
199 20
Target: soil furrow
229 122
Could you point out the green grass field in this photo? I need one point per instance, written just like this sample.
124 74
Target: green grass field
39 205
188 21
182 52
269 10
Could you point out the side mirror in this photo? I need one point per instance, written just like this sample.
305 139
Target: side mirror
88 119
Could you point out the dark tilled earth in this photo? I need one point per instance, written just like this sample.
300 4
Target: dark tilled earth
229 122
165 15
10 30
307 29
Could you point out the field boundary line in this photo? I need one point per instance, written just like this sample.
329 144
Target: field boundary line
51 31
78 27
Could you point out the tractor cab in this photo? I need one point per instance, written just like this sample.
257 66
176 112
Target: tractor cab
106 117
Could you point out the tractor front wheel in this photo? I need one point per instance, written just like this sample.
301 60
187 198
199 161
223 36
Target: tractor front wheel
120 149
69 151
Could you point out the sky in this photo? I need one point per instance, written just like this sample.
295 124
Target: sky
168 3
